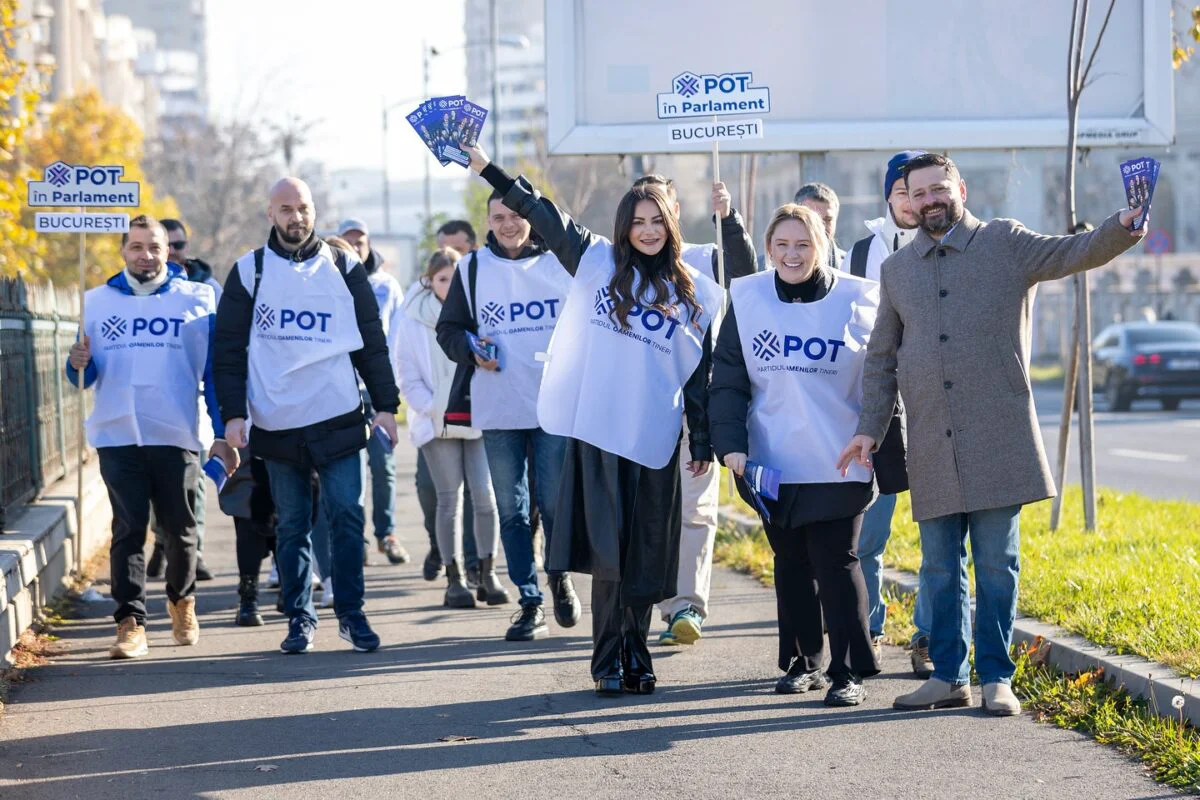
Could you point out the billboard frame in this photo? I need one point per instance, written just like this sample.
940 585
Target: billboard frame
1155 127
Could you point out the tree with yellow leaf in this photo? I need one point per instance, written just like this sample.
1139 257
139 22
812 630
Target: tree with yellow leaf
1185 25
84 129
19 247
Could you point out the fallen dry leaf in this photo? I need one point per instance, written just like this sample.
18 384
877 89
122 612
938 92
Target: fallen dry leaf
266 768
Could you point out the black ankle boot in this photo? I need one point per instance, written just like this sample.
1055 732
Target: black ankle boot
490 590
248 615
606 637
457 593
637 667
566 603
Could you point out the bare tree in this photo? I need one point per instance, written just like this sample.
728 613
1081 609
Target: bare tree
1078 378
219 175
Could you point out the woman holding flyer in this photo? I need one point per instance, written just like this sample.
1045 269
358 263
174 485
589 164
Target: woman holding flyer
629 357
786 392
453 452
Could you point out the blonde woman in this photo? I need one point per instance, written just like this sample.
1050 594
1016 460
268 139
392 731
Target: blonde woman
453 452
786 394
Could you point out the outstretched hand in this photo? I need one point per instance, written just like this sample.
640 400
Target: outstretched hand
1127 217
479 158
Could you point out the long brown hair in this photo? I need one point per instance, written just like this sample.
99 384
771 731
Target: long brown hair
620 288
438 260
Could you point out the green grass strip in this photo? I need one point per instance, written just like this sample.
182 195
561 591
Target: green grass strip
1133 585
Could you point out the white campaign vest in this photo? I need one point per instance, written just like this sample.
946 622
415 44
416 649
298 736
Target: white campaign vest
301 336
621 390
517 305
805 362
700 258
150 353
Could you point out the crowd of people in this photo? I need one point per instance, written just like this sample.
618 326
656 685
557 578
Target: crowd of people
568 394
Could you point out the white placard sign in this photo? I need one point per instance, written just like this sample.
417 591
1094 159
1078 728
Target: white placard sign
65 185
53 222
686 132
695 95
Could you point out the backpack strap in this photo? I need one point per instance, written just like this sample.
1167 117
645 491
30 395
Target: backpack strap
858 257
472 275
258 269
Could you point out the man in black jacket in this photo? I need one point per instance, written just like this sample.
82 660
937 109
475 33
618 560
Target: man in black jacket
297 320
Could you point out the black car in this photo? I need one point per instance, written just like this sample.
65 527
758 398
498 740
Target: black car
1147 360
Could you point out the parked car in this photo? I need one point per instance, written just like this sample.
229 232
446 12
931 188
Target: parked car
1147 360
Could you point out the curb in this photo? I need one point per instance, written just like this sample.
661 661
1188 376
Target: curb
1156 683
37 551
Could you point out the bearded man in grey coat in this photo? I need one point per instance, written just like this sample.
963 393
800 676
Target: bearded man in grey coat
952 336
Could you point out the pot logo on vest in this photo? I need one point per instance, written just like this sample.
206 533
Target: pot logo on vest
541 314
113 328
294 324
813 354
493 314
650 320
142 332
766 345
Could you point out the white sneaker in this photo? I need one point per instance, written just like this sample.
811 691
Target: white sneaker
273 578
326 594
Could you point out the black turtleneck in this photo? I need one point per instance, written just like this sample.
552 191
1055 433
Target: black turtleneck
815 288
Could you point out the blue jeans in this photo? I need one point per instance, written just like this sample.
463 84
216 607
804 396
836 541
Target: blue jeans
382 466
876 530
995 535
507 463
341 505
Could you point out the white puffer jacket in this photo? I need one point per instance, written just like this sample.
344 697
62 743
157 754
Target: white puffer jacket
425 372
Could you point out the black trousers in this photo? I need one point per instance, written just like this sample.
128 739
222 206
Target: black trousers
255 541
136 478
817 569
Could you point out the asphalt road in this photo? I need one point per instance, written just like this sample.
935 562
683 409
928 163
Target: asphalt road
234 718
1146 449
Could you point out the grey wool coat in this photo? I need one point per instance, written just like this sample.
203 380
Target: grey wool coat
953 336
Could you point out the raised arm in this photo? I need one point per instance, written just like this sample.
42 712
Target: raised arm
740 258
564 237
1046 258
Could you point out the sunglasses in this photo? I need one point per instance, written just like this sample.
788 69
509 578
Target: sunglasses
179 245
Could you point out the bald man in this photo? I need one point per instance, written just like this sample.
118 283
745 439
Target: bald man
296 322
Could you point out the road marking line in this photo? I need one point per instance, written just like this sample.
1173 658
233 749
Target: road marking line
1191 423
1145 455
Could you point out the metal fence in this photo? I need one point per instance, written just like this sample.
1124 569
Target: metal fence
39 408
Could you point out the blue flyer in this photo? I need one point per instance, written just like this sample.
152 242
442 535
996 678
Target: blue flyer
1140 176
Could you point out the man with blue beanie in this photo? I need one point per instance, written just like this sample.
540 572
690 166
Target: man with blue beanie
889 233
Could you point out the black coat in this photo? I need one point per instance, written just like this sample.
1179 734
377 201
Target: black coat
615 519
326 440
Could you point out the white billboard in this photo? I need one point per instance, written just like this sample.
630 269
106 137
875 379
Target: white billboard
859 75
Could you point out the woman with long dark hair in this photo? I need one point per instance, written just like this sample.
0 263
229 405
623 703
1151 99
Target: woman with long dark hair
629 358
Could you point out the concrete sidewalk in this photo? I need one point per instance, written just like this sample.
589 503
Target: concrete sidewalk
234 718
